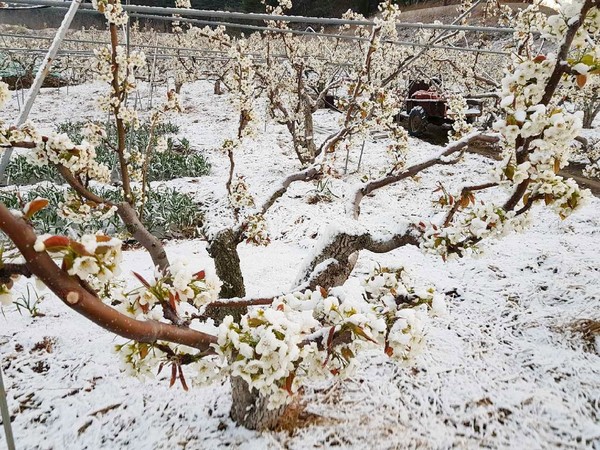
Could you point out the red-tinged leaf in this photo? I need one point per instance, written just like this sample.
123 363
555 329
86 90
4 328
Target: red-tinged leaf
182 379
173 301
389 351
67 262
323 292
78 248
330 337
288 383
360 332
144 350
548 198
451 200
102 238
142 280
173 374
539 59
334 372
581 80
200 275
280 307
347 353
422 225
54 243
34 206
145 308
464 201
160 368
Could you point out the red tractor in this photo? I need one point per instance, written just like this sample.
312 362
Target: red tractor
426 103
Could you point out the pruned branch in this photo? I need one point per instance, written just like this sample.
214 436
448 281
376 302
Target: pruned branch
71 291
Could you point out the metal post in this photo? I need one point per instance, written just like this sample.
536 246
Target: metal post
10 441
39 79
153 71
360 157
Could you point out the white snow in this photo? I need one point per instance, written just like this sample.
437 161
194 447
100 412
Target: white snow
501 369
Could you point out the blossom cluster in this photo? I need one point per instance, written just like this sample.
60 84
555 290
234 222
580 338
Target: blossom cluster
457 108
181 287
93 258
255 230
481 220
317 333
79 210
112 10
58 149
239 196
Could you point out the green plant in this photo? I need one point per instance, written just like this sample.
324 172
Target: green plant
179 160
168 213
29 301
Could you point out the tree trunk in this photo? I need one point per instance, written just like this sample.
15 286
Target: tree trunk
218 90
309 134
589 114
249 409
223 250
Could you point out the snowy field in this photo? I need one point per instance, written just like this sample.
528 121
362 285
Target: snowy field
503 369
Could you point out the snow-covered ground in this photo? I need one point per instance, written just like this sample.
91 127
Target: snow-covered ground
502 370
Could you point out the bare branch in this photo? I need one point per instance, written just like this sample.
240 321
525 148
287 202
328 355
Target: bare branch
150 242
304 175
411 171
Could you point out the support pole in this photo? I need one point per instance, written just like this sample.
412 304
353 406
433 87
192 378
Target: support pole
39 79
10 441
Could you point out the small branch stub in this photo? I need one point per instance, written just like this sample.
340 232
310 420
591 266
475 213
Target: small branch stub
72 298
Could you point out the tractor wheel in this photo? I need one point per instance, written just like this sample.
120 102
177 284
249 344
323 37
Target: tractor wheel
417 121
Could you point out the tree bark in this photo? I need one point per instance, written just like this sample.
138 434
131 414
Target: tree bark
223 250
249 408
218 90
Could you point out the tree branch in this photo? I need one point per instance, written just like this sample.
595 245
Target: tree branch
411 171
77 297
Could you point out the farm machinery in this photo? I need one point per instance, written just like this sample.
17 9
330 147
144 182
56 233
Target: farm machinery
426 103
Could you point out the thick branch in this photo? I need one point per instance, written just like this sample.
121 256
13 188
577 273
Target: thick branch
333 262
77 297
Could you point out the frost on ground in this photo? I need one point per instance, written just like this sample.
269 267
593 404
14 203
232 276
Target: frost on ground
503 369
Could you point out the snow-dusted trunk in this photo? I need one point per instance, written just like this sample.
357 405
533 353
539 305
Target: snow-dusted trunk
249 408
223 250
218 90
590 111
309 139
